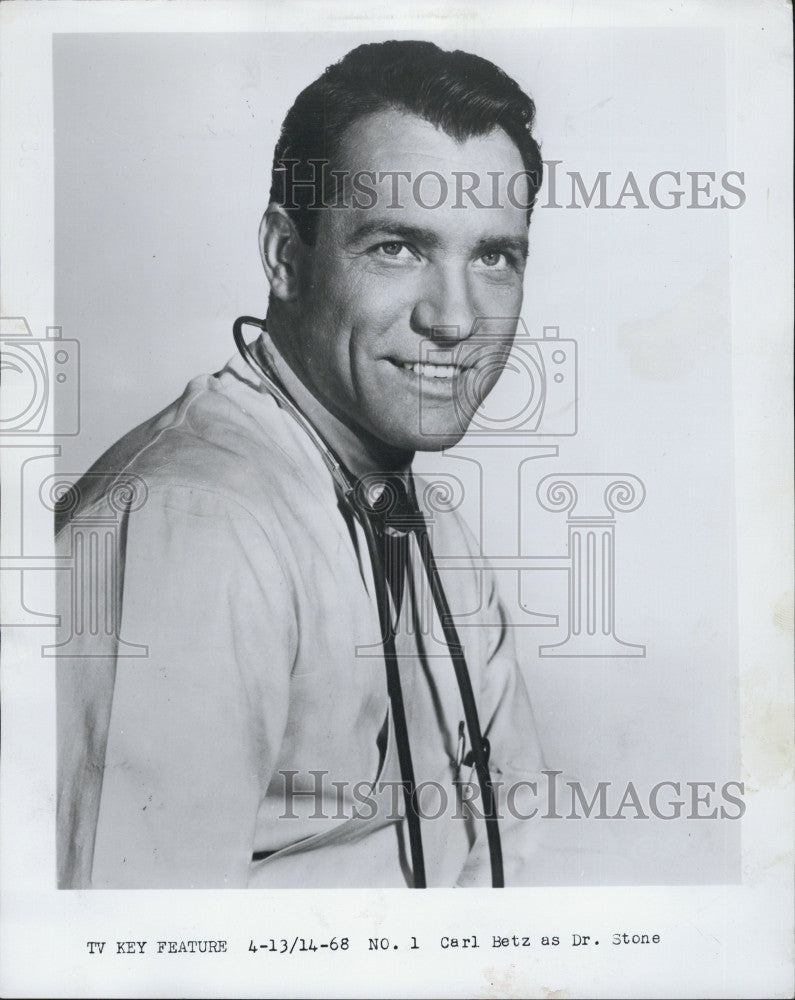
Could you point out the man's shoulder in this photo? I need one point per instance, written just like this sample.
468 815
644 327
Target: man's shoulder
223 438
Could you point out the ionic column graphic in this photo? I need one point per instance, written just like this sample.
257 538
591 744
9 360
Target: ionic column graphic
94 609
591 502
443 494
498 528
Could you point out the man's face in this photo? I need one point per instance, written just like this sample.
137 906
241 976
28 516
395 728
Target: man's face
387 298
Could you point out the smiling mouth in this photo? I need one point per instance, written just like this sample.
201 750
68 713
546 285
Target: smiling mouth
427 369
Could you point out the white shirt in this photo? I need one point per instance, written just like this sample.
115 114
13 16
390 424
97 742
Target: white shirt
264 668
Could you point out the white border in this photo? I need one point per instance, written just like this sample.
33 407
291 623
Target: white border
718 941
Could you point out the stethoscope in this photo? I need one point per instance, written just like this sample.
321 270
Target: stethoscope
396 508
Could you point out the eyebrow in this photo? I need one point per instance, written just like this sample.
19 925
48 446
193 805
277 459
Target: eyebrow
519 244
385 227
428 238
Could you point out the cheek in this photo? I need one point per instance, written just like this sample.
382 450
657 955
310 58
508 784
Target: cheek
330 315
376 308
498 299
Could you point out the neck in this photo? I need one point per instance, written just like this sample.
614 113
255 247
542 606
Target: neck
361 453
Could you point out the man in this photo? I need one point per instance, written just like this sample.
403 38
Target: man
259 742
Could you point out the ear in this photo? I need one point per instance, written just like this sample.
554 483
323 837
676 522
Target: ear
279 247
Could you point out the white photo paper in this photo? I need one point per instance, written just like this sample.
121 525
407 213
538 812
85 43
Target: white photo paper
435 640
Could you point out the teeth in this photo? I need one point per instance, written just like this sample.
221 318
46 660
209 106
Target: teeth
429 370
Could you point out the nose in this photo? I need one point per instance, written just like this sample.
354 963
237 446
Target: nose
444 310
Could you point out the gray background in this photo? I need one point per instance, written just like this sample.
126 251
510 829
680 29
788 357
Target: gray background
162 158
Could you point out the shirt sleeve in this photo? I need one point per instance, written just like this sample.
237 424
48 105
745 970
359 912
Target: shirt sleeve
183 749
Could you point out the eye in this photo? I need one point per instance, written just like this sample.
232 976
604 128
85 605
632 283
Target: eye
493 258
392 248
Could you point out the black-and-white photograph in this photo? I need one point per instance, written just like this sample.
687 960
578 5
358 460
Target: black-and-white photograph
380 466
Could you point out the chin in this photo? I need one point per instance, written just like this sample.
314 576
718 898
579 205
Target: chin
433 440
440 442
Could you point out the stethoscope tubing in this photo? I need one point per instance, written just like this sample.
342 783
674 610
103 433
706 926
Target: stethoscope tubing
480 745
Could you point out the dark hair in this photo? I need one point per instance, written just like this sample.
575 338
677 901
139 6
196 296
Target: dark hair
463 94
